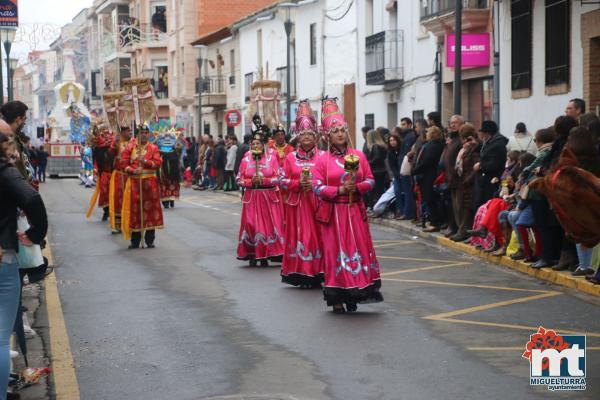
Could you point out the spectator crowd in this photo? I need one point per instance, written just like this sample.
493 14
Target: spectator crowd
501 195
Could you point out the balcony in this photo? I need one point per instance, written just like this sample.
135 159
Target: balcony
384 57
213 92
136 36
438 15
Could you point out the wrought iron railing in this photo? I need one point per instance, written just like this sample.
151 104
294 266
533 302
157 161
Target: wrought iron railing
384 57
211 85
433 8
140 34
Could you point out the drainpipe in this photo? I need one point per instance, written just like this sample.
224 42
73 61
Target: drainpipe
496 94
457 86
438 82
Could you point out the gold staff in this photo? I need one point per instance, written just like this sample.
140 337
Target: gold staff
351 163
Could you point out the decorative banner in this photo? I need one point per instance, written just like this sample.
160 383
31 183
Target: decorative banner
233 118
9 16
475 50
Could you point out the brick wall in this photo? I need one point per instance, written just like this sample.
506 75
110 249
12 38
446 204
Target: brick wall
590 40
214 15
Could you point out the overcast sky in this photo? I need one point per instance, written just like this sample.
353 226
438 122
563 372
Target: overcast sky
49 12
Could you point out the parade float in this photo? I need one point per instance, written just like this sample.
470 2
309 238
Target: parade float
68 124
264 102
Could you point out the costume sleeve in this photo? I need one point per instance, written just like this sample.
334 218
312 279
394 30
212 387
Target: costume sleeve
126 157
368 182
241 181
152 159
320 186
287 182
278 173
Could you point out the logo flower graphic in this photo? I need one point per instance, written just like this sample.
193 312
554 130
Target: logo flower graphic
544 339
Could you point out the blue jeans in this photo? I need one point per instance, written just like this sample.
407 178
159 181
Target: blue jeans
10 287
584 256
409 206
398 194
513 217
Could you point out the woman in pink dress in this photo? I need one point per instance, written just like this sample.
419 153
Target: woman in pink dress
261 228
303 259
352 273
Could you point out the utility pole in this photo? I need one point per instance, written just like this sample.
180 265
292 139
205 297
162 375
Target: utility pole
458 58
288 31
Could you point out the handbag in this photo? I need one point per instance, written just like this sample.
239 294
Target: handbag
405 168
28 256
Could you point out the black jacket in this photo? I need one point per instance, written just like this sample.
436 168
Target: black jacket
492 159
220 156
376 158
15 193
241 152
393 163
426 166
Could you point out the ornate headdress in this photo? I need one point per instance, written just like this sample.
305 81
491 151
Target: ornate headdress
261 135
331 116
305 119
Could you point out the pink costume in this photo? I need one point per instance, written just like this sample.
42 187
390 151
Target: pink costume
261 228
303 259
352 273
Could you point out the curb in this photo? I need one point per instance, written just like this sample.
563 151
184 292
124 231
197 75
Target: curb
557 277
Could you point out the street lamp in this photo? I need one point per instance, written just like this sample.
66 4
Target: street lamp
7 36
288 24
12 65
200 48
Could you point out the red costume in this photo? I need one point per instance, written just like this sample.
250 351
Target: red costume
141 188
117 182
281 151
103 165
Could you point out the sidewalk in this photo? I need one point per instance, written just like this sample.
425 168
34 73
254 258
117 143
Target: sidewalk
563 278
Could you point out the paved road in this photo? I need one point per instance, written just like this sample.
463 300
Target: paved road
188 321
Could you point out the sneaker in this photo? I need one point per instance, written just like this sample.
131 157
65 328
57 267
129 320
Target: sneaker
29 332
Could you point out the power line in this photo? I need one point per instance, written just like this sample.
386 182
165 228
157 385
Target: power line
342 16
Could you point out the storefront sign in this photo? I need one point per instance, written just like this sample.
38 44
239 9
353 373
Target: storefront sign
233 118
475 50
8 13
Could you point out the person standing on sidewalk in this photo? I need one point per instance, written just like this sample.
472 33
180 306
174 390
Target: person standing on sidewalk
453 146
16 194
42 163
220 162
232 149
407 138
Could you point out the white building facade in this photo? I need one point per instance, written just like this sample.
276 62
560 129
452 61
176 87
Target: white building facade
323 54
396 68
543 60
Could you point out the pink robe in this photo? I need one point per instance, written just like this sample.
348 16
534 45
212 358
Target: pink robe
352 273
303 259
261 228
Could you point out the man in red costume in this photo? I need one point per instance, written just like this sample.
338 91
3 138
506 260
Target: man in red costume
142 209
118 177
282 149
103 166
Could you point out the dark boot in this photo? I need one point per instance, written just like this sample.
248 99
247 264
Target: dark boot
106 214
481 232
149 237
172 203
165 204
136 238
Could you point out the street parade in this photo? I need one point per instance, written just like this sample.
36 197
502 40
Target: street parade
299 199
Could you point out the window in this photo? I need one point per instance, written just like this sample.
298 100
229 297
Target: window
418 114
160 79
206 129
558 34
248 80
158 16
313 44
282 78
232 67
521 52
370 120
